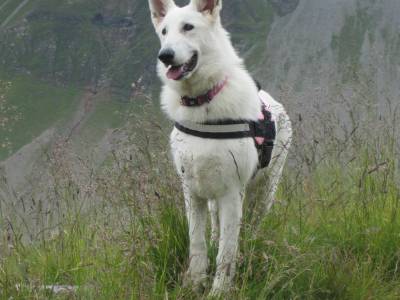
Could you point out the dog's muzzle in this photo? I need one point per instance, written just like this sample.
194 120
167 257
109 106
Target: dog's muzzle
178 72
167 56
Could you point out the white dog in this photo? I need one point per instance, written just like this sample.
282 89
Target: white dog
214 102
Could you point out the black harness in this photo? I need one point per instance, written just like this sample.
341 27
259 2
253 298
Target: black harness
262 131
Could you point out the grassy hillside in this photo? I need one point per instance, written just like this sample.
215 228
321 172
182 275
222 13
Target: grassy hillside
73 46
106 42
97 44
84 42
37 106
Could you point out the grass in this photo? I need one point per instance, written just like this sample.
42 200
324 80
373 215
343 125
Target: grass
8 9
334 235
18 17
40 106
61 44
106 115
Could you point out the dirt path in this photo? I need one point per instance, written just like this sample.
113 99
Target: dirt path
12 15
83 111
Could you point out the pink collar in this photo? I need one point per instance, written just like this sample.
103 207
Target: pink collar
205 98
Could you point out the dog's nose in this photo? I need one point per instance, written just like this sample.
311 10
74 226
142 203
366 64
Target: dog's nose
167 56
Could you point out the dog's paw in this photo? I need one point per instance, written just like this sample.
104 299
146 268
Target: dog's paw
222 284
216 293
195 282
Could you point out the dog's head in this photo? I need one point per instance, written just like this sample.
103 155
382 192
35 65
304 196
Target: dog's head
186 35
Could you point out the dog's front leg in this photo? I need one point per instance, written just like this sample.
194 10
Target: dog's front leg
196 210
230 217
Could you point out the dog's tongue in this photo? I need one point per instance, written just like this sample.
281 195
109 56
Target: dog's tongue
175 73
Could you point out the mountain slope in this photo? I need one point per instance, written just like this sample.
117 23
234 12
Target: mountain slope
320 58
299 43
326 44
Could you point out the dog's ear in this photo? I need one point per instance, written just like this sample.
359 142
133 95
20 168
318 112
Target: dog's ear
212 7
159 9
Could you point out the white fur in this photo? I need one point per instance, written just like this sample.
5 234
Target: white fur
213 171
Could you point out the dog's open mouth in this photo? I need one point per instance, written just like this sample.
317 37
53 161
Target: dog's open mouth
178 72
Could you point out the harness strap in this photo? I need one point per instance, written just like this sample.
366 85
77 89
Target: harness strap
225 129
263 131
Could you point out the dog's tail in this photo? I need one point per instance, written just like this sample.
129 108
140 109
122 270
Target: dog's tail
279 156
272 175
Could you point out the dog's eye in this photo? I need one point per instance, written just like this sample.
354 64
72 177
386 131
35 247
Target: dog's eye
188 27
164 31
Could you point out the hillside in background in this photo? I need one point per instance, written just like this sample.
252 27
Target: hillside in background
71 64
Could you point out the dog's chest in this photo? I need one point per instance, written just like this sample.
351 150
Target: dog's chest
211 167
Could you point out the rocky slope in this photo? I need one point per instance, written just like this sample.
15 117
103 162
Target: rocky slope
334 45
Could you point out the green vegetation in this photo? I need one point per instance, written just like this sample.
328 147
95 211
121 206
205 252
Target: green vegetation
251 28
63 44
8 8
333 235
39 106
8 113
334 232
107 114
88 43
18 17
348 43
80 42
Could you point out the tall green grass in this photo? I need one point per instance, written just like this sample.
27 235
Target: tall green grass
333 234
